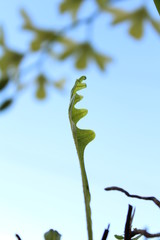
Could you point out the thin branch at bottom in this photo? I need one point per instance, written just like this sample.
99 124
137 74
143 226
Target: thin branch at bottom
153 199
18 237
144 233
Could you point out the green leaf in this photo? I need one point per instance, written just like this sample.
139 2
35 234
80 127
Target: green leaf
68 52
119 237
137 20
36 44
43 36
27 22
59 84
136 238
102 3
83 54
157 4
10 59
101 60
81 61
3 83
41 91
52 235
6 104
41 80
119 15
2 39
136 29
156 25
115 11
81 138
71 6
122 16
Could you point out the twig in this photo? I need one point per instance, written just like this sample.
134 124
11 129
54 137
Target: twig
127 231
18 237
155 200
144 233
105 234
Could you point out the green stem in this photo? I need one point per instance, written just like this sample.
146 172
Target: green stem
87 199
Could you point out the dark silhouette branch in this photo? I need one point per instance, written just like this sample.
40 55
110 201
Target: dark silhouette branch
144 233
105 234
18 237
153 199
129 234
127 231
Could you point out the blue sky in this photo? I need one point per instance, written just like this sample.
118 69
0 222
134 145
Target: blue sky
40 180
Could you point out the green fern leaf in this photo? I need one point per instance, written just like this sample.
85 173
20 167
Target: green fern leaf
81 138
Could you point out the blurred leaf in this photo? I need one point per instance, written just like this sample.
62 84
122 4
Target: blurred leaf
41 37
10 59
136 29
68 52
102 60
3 83
35 44
27 21
41 88
52 235
6 104
71 6
118 15
119 237
64 40
60 84
136 18
155 24
41 93
81 137
46 37
81 61
102 3
2 40
115 11
122 16
83 53
157 4
41 80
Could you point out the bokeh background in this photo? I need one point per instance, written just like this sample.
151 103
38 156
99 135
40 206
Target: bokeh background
40 182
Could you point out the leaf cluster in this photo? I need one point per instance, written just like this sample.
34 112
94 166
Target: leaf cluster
13 66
